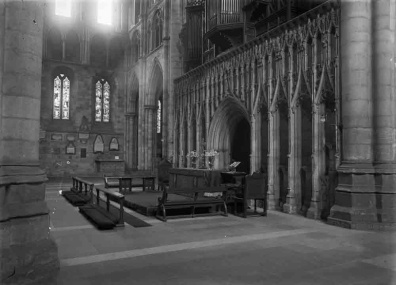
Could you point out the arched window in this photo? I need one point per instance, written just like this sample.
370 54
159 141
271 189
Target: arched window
102 101
61 103
105 10
159 117
63 8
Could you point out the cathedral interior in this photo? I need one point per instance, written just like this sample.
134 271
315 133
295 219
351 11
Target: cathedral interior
301 92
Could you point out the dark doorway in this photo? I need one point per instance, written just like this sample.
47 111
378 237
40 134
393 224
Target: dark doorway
240 145
306 155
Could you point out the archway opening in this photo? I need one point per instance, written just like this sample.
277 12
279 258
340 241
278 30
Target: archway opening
240 145
229 134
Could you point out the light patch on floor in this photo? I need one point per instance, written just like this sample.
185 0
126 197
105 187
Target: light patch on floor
178 247
387 261
53 229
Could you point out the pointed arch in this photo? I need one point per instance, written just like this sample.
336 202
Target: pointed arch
222 128
156 83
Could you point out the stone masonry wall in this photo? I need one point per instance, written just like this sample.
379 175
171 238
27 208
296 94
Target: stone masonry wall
56 135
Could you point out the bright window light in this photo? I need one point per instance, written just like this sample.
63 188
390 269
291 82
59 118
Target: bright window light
105 9
63 8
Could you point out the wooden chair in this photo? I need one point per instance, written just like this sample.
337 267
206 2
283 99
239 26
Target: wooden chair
255 189
163 174
125 184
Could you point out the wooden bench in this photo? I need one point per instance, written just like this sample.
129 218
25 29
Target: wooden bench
102 217
193 199
80 193
120 182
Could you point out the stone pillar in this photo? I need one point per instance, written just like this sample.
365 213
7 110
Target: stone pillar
131 140
294 160
383 82
365 195
150 130
27 252
318 160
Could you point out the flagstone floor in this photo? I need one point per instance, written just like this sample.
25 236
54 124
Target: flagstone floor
277 249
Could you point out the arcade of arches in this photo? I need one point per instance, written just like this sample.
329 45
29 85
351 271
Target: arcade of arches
305 95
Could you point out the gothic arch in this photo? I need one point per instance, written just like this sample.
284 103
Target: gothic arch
155 83
222 128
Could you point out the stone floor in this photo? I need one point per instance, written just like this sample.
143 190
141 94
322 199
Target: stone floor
277 249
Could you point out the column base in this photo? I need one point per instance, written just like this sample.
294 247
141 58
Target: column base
290 206
28 255
272 202
314 211
365 199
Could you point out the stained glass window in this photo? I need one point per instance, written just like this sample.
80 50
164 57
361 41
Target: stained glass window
98 102
159 110
102 101
61 104
106 102
57 97
65 99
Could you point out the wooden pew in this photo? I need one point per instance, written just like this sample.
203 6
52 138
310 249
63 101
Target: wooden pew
148 182
80 193
102 217
193 199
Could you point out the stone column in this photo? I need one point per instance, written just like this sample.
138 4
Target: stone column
27 252
150 130
383 82
293 161
355 198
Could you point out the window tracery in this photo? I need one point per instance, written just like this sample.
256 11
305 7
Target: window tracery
102 101
61 99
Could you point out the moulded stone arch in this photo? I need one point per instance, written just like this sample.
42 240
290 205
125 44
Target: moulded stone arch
222 127
155 83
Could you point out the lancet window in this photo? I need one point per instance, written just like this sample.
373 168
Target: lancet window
102 101
61 102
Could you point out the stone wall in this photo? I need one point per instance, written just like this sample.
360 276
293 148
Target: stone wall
80 131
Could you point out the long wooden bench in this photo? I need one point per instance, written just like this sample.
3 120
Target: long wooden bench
123 183
102 217
193 198
80 193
